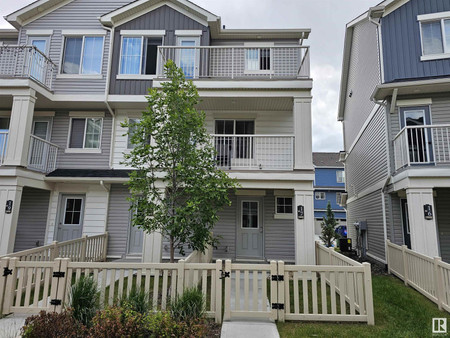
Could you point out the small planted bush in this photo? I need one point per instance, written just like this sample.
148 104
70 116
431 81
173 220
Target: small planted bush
53 325
189 306
118 322
137 301
84 300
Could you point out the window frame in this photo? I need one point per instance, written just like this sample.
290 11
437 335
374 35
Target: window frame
278 215
320 192
83 149
83 34
338 172
258 46
434 17
258 214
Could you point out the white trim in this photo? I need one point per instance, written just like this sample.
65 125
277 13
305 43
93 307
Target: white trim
373 188
93 114
179 32
83 32
415 102
139 33
259 44
259 193
83 150
39 32
283 193
394 7
435 57
135 77
433 16
60 74
283 216
44 113
80 76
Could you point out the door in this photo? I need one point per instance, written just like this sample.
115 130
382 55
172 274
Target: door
405 223
188 59
37 61
250 229
135 239
71 217
40 150
419 139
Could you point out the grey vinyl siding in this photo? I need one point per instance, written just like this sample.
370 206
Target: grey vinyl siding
442 202
32 221
118 220
394 219
367 164
363 77
60 134
226 229
162 18
368 208
78 14
8 41
402 45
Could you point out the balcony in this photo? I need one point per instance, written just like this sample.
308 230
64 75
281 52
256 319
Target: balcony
254 152
42 155
238 62
420 145
26 62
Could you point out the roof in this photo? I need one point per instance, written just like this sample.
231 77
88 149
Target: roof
327 160
89 173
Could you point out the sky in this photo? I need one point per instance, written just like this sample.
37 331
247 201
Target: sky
327 20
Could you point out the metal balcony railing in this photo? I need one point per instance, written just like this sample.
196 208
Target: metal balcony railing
42 155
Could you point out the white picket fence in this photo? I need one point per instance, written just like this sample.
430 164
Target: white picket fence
430 276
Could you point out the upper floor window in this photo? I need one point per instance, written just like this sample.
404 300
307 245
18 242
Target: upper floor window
340 176
139 55
435 34
83 55
258 59
132 129
320 195
85 133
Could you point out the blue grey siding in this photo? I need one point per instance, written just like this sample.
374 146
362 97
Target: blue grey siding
163 18
118 220
32 221
402 45
443 219
60 133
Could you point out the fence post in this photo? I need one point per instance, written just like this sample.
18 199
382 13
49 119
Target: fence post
4 264
316 252
54 251
368 294
281 286
330 252
218 292
10 288
54 285
438 282
273 289
405 264
62 284
180 283
387 256
227 315
83 248
105 246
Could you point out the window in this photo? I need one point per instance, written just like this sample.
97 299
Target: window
83 55
340 176
139 55
338 198
258 59
240 147
284 205
85 133
250 214
72 215
320 195
131 130
435 33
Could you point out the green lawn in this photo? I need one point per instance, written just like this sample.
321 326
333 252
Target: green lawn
399 312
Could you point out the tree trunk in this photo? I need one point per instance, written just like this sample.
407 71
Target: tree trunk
172 251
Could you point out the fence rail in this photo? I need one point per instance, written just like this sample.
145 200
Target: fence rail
429 276
42 155
26 62
238 62
84 249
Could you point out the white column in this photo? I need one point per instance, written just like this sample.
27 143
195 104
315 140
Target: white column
8 221
20 130
152 249
303 133
424 237
304 229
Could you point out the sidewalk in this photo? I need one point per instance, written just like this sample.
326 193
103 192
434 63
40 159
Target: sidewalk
249 329
10 326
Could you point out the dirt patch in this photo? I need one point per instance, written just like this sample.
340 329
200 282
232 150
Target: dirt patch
213 329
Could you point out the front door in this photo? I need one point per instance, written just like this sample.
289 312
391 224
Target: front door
135 240
250 228
405 223
71 217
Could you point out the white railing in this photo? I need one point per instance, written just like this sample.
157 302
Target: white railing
26 62
42 155
3 145
238 62
422 145
255 152
430 276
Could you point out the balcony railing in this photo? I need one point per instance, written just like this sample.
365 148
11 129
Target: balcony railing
415 145
255 152
26 62
239 62
42 155
3 145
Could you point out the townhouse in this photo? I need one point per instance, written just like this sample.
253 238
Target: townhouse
79 68
394 105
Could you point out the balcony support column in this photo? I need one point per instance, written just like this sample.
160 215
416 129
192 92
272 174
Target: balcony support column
8 219
304 228
20 129
303 133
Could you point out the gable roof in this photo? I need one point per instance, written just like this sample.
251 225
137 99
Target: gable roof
327 160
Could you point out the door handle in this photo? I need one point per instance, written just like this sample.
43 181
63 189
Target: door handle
261 230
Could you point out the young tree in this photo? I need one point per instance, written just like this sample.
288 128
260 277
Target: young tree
176 188
328 227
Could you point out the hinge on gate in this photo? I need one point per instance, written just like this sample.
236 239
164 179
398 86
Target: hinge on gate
59 274
7 272
224 274
277 278
55 302
277 306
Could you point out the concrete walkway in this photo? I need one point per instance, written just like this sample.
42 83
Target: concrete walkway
10 326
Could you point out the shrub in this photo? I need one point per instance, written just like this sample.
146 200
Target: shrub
137 301
190 306
84 300
53 325
118 322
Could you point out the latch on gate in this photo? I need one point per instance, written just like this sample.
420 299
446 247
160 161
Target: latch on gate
7 272
55 302
59 274
277 306
224 274
277 278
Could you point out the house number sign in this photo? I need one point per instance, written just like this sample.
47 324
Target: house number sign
428 211
9 206
300 212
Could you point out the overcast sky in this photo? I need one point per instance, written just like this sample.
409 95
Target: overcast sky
326 18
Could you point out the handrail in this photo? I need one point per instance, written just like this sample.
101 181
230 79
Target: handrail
45 141
427 126
239 47
249 135
30 47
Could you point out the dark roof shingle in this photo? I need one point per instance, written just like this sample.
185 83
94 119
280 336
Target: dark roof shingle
327 160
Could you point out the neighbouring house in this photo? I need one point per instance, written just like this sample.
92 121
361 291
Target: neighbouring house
79 68
329 185
394 105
